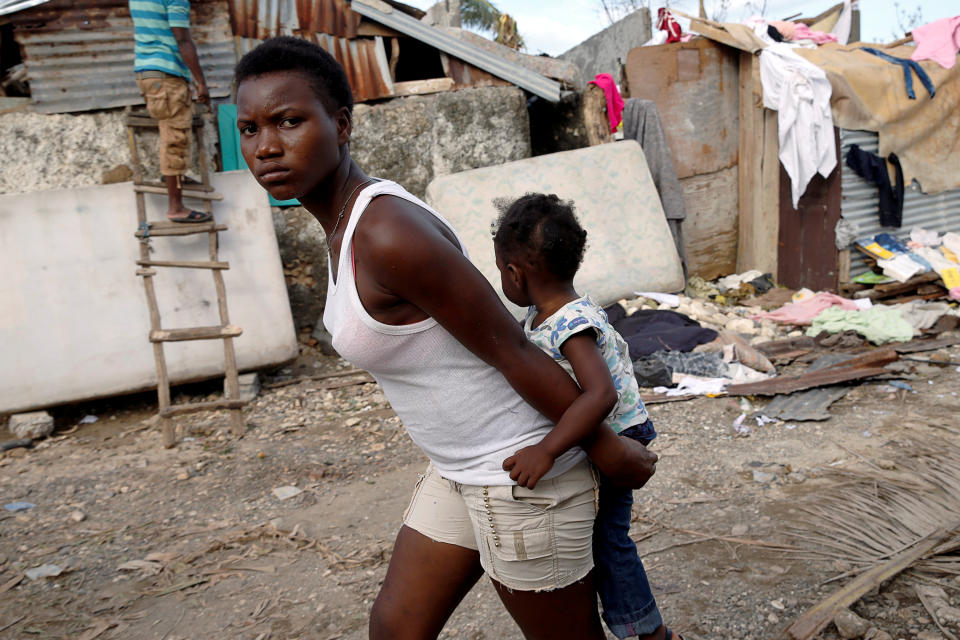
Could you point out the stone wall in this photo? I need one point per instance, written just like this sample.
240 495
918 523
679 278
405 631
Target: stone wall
410 140
606 51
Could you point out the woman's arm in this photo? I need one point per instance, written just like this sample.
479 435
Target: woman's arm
582 417
412 261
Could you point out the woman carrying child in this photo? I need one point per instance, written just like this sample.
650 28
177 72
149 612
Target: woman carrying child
405 303
539 246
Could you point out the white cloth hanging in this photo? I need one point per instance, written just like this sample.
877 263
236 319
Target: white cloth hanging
800 94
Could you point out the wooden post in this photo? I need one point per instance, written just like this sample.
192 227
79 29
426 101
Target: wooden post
758 174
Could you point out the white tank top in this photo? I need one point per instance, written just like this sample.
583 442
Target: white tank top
461 411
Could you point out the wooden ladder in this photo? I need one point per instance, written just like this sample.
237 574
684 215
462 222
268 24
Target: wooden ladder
146 230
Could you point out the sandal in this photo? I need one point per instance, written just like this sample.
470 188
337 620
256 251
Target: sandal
193 216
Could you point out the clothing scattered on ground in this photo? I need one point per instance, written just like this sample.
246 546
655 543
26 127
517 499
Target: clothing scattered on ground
155 48
575 317
648 331
803 312
873 168
800 93
938 41
878 324
704 365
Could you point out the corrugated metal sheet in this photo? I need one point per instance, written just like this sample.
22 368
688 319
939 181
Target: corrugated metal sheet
79 55
12 6
531 81
860 202
263 19
363 59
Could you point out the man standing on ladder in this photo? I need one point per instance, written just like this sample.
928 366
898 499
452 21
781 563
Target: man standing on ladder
164 59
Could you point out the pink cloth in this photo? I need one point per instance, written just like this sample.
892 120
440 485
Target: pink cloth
955 293
803 32
798 31
938 41
614 101
805 311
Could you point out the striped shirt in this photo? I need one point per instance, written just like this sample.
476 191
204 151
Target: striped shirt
155 47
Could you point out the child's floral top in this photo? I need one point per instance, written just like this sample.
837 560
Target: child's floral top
584 314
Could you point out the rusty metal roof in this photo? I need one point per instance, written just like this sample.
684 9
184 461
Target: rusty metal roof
490 62
263 19
363 59
79 55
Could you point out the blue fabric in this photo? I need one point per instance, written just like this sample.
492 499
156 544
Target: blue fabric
155 48
230 147
907 64
629 608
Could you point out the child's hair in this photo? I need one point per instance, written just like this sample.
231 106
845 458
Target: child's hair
286 53
544 230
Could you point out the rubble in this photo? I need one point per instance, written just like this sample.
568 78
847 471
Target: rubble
35 424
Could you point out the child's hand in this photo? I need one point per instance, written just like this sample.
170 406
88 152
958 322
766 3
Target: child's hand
528 465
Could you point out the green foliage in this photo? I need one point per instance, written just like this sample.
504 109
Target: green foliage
479 14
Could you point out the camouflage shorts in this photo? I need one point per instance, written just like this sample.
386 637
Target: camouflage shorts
169 102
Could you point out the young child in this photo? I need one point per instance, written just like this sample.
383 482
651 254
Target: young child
539 246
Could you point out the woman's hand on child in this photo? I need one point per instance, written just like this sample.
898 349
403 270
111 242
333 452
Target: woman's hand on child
624 461
528 465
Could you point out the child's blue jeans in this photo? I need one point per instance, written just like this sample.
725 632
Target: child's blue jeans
629 608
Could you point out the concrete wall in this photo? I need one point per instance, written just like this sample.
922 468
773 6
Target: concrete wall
607 50
410 140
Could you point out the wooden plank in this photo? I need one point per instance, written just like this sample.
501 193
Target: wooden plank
198 194
371 29
215 332
420 87
789 384
807 235
710 228
917 346
893 288
595 120
694 85
816 619
862 366
195 407
184 264
749 178
160 229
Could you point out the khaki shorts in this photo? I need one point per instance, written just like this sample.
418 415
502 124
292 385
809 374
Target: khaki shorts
528 540
169 102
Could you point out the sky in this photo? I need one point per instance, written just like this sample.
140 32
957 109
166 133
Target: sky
554 26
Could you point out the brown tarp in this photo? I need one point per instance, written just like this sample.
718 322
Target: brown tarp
869 94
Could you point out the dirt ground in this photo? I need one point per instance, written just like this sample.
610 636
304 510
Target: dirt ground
192 542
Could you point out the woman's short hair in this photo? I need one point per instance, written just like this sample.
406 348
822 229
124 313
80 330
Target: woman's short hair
286 53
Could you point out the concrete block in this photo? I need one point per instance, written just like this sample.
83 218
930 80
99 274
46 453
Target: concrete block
36 424
249 386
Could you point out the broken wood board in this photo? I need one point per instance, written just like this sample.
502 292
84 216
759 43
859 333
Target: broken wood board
787 349
816 619
710 228
916 346
420 87
858 367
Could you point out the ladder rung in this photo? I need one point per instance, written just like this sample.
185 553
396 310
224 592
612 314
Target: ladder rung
185 264
198 194
146 273
181 228
193 407
144 120
196 186
215 332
